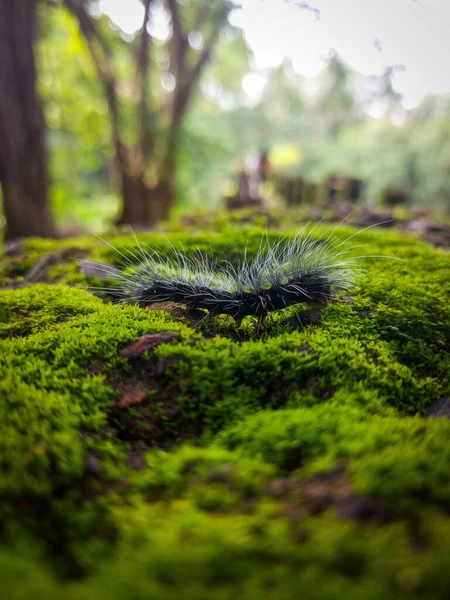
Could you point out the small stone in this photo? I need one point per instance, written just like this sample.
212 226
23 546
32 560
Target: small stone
135 461
93 466
423 226
439 410
221 473
362 509
148 342
279 487
318 496
132 397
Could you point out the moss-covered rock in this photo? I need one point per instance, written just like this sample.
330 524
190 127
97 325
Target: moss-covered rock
212 461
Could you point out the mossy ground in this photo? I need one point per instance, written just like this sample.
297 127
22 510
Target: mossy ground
225 464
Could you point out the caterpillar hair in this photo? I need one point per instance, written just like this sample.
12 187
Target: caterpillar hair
281 274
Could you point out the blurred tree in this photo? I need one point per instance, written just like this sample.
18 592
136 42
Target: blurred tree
336 102
275 118
75 110
148 193
23 157
209 148
382 95
429 130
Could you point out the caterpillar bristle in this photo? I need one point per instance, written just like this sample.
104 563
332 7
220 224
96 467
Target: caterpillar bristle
283 273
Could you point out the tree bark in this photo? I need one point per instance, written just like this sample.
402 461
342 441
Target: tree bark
136 195
23 155
136 200
164 195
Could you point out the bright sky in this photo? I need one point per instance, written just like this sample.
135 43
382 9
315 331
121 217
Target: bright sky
369 35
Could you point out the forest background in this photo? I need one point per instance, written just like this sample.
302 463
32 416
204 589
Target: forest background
165 112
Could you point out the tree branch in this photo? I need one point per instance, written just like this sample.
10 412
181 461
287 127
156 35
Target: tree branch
174 8
205 54
180 44
201 16
185 86
102 59
142 77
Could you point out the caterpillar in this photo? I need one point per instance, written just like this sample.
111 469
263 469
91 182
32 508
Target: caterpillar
281 274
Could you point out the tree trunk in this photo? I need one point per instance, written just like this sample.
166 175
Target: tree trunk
133 190
23 156
164 194
162 198
142 205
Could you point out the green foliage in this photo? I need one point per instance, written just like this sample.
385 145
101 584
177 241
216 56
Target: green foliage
335 134
77 117
204 160
331 129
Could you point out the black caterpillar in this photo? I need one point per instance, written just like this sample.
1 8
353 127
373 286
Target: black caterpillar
281 274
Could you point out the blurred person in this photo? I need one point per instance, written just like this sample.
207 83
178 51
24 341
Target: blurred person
264 167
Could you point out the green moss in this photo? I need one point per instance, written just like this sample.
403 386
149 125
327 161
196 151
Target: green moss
29 310
253 556
197 487
219 381
404 460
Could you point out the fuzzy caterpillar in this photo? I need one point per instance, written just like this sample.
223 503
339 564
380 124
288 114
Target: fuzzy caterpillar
281 274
